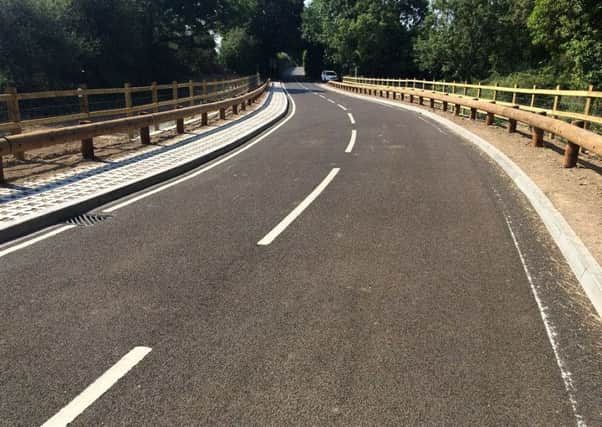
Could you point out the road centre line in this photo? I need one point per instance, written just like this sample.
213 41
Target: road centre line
349 148
331 101
351 118
207 168
288 220
342 108
322 96
99 387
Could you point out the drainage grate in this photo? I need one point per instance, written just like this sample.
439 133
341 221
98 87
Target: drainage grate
88 220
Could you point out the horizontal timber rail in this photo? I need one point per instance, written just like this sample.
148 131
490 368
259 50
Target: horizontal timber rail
18 143
573 133
124 101
560 103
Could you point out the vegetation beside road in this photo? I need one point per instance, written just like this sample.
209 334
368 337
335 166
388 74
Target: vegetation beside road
543 42
50 44
58 44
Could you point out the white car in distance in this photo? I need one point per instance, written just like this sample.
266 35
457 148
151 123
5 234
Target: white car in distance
329 75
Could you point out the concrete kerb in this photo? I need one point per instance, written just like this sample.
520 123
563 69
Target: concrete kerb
585 267
69 210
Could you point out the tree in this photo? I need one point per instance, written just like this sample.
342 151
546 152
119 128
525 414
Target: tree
144 40
376 37
37 47
471 39
61 43
571 31
239 51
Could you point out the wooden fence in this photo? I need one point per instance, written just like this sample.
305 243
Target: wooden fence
235 99
194 92
558 103
538 121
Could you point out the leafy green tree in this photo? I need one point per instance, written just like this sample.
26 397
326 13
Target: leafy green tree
571 31
256 31
376 37
471 39
37 47
239 51
144 40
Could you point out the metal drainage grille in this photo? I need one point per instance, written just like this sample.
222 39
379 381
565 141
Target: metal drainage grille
88 220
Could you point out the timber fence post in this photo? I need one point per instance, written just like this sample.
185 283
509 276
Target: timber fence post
555 108
127 91
145 132
571 151
14 115
490 117
84 103
87 144
514 94
512 122
174 92
533 96
537 134
588 106
179 122
155 95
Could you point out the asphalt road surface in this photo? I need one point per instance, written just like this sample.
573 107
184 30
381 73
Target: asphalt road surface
358 266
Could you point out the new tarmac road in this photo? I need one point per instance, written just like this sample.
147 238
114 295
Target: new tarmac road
360 265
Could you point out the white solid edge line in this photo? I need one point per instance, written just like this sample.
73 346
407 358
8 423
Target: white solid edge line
34 240
432 124
349 148
127 202
585 267
97 388
207 168
342 107
550 330
276 231
351 118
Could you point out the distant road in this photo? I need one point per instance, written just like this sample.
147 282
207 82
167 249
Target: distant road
360 265
296 73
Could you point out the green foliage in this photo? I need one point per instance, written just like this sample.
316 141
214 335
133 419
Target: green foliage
3 82
264 28
239 51
313 60
470 39
276 25
544 77
37 46
543 42
62 43
373 36
571 31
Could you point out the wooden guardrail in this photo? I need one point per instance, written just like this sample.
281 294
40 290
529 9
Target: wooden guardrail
564 104
574 133
195 92
85 132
